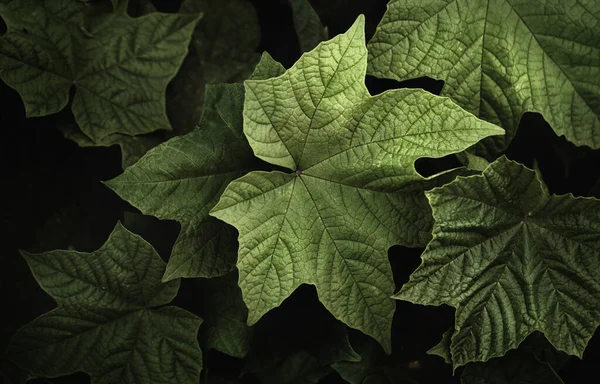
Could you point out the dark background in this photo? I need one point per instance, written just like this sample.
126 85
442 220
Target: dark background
53 199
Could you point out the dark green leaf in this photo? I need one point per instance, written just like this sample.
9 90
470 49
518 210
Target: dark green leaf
112 321
119 66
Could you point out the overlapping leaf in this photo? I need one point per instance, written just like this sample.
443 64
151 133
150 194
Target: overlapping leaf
512 259
331 220
224 313
309 29
119 66
278 356
519 366
111 321
182 179
501 58
222 50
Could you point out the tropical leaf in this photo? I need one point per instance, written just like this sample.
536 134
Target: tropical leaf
512 259
500 59
119 66
353 190
112 321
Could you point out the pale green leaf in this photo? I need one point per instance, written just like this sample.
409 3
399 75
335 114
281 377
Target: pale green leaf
182 179
331 220
512 259
119 66
472 161
500 59
309 29
111 321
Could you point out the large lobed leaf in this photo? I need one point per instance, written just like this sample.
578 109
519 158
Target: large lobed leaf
501 58
331 220
119 66
182 179
512 259
111 321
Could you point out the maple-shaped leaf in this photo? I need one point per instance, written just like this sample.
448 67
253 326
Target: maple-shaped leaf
500 59
112 321
182 179
512 259
330 221
119 66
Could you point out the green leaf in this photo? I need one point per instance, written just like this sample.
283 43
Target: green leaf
111 321
512 259
500 59
304 355
370 366
182 179
472 161
442 349
132 147
224 313
119 66
331 220
309 29
223 50
227 39
517 367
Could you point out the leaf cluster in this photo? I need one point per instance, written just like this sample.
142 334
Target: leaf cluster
327 216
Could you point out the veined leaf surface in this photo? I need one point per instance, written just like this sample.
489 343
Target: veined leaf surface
112 321
182 179
500 59
512 259
119 66
353 190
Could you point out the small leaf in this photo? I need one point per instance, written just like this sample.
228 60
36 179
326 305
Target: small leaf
512 259
224 313
304 355
111 321
222 50
352 191
500 59
132 147
119 66
517 367
309 29
442 349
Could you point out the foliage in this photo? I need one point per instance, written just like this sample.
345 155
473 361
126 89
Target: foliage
313 221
